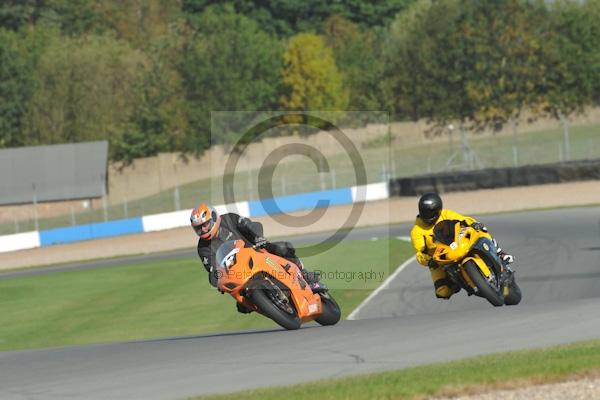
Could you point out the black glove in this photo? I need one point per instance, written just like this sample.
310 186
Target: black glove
260 242
432 264
478 226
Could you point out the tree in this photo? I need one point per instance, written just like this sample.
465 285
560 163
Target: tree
287 17
229 65
70 16
16 85
507 38
311 77
16 13
138 21
158 122
357 54
572 58
428 62
84 90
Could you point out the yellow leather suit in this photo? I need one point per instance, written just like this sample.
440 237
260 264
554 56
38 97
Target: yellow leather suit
421 236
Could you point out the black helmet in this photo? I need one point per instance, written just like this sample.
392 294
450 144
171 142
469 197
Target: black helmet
430 207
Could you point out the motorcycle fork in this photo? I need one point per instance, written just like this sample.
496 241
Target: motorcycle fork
453 272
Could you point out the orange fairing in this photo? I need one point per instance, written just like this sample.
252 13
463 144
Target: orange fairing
242 264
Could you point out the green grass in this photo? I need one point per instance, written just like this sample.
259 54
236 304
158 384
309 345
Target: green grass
157 299
493 151
507 370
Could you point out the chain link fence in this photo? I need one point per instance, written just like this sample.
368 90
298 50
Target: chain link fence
382 161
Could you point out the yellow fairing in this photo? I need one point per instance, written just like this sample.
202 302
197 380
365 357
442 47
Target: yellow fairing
485 270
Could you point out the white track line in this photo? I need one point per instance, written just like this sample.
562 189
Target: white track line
374 293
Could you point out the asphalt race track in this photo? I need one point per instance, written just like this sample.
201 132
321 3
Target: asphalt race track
558 268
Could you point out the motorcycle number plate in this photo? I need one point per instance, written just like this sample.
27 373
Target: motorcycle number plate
453 245
312 308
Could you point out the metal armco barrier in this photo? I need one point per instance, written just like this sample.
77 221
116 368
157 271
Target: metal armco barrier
496 178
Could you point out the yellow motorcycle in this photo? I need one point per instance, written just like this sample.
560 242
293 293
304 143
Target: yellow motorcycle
470 259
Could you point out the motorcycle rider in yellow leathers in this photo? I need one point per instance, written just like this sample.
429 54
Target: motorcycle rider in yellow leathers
431 211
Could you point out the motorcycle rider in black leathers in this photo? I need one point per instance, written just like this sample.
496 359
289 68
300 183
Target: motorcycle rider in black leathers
214 230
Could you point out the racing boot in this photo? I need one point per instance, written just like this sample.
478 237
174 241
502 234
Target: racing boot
454 287
242 308
505 257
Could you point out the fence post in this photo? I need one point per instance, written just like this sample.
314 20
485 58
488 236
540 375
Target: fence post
467 152
515 143
567 144
177 199
283 191
322 174
35 211
104 206
560 152
333 179
250 185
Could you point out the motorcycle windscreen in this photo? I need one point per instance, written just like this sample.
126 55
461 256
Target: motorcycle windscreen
444 231
225 252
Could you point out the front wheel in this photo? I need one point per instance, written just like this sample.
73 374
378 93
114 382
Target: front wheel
331 313
484 287
288 318
514 295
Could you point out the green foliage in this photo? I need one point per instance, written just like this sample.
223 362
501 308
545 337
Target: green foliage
483 62
358 55
71 16
146 74
15 90
428 62
312 79
572 58
84 90
229 64
507 39
287 17
158 122
16 13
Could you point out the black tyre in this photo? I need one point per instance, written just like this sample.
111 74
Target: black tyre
268 308
514 295
485 289
331 310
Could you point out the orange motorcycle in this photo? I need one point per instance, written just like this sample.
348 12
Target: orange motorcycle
272 286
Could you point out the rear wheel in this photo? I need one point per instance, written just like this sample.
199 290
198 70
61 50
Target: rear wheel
514 295
283 314
331 313
485 287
